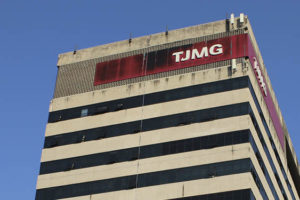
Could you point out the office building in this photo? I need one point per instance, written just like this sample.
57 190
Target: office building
183 114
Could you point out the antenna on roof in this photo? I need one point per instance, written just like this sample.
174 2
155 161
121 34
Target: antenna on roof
242 18
167 31
75 50
232 18
130 38
227 23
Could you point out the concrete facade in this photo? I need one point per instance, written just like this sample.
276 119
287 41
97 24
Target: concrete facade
70 161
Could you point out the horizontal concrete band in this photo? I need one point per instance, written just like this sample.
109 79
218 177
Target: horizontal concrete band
148 179
175 190
245 194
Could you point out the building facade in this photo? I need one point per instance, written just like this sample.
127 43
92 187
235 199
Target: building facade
184 114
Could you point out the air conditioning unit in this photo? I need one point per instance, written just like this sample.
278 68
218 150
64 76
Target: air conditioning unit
233 65
232 19
242 18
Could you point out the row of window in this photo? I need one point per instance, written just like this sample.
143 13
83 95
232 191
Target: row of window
231 195
148 179
148 151
149 99
148 124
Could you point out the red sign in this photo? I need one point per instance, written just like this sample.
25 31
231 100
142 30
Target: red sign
266 94
171 59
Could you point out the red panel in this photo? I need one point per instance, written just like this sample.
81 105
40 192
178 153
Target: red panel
120 69
268 99
101 73
164 60
239 45
131 67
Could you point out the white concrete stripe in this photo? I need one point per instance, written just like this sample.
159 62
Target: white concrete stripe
147 138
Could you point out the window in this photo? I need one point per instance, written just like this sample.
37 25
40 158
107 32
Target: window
84 112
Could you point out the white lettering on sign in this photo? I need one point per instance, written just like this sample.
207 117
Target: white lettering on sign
260 77
205 52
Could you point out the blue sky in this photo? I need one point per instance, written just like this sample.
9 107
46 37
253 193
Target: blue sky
33 33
